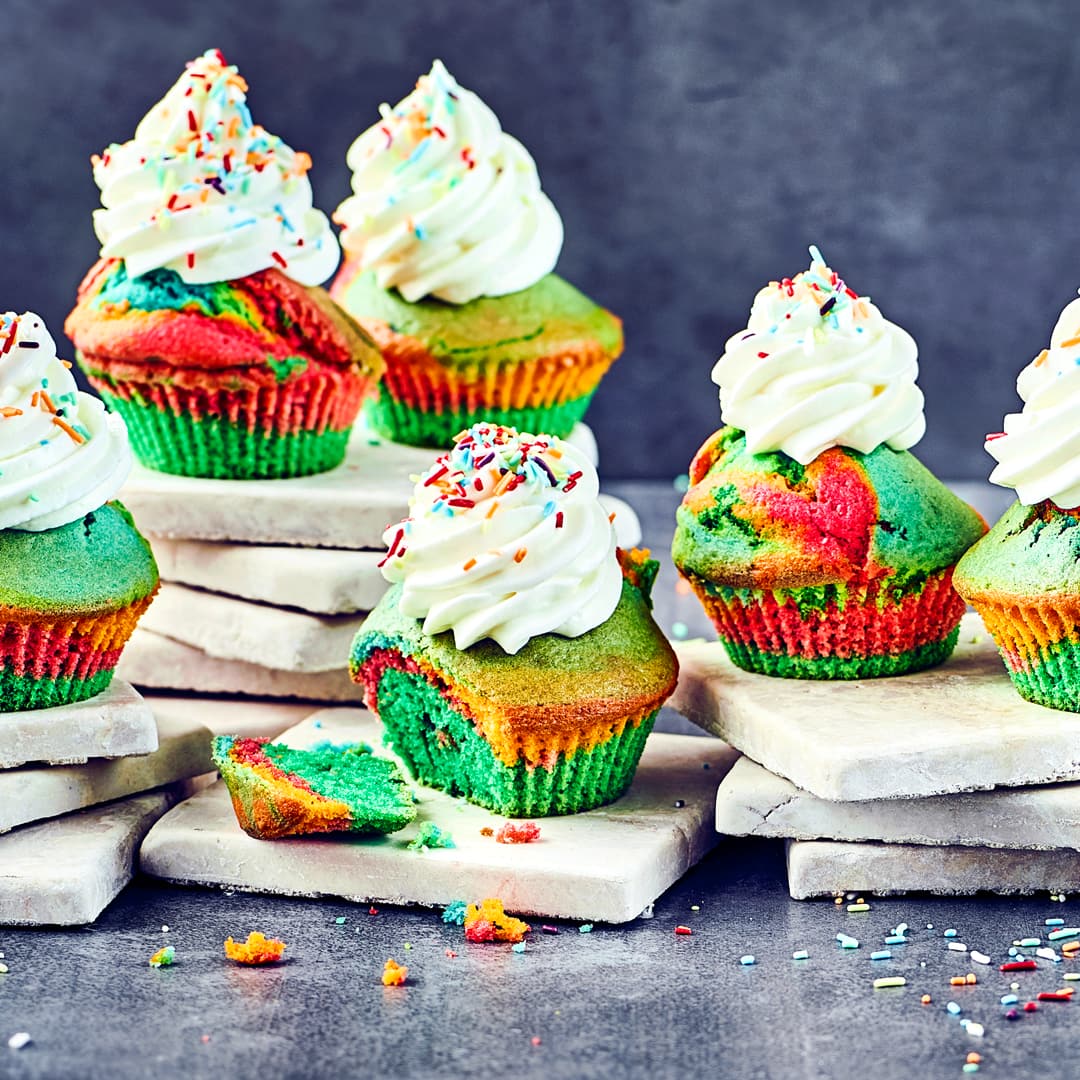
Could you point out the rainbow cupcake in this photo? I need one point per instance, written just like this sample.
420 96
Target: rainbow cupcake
1023 577
75 574
818 545
449 245
514 660
201 325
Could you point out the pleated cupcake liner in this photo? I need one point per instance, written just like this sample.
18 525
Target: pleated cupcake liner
403 423
1040 647
275 432
765 631
50 662
443 749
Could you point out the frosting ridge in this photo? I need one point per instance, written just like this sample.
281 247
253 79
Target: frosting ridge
819 366
507 540
1038 450
202 190
445 203
62 455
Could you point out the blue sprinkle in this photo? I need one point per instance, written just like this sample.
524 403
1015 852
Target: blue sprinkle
950 933
882 954
1009 999
518 947
953 1009
679 630
747 960
585 928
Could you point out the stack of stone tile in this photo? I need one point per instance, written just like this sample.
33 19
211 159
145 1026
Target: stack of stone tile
265 582
943 781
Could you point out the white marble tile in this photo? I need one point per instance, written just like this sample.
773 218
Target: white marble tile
37 792
152 661
752 801
326 581
115 723
65 872
606 865
957 727
826 867
348 507
234 629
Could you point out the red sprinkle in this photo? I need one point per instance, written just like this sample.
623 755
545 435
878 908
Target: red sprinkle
191 121
1031 1007
441 471
995 435
1019 965
279 259
373 911
467 503
1056 995
226 161
438 131
683 931
536 1038
762 355
191 259
558 520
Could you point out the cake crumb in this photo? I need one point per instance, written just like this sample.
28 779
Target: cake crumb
164 957
487 830
431 836
454 912
512 833
394 974
258 949
488 922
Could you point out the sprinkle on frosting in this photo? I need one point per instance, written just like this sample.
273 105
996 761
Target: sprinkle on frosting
204 191
444 202
61 454
506 539
1038 450
819 366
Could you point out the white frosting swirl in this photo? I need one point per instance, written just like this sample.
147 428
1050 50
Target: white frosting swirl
818 366
203 191
506 540
444 202
1039 450
61 454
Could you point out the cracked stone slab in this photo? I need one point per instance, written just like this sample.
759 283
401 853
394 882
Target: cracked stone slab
66 871
115 723
230 716
751 801
826 867
957 727
606 865
155 662
348 507
234 629
326 581
35 793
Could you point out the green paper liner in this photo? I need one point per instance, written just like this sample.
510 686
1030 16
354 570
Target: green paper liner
441 748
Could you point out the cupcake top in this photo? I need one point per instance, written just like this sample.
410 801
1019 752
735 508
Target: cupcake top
1038 452
445 203
506 540
203 191
61 454
819 366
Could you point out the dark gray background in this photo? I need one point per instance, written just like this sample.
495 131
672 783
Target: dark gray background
693 147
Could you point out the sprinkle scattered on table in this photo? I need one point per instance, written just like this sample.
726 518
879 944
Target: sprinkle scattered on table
19 1040
258 949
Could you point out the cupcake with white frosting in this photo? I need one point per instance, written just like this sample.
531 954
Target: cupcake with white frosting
1023 577
75 574
514 660
819 546
203 324
450 244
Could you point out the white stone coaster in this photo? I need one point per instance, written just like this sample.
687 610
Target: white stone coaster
348 507
752 801
65 872
326 581
607 865
224 716
34 793
116 723
957 727
234 629
823 868
152 661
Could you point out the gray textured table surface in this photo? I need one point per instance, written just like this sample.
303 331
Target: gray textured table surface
634 1001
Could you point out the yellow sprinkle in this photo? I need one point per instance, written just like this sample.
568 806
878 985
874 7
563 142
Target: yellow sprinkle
858 907
1071 976
889 982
